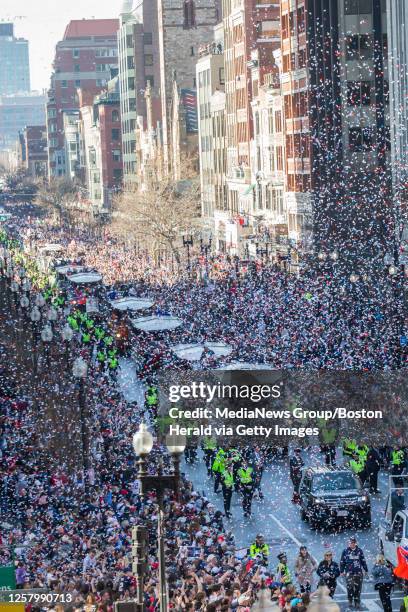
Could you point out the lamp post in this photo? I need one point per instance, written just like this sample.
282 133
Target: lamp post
158 483
188 242
67 335
80 372
205 249
35 317
47 336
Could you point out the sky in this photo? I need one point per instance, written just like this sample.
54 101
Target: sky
44 24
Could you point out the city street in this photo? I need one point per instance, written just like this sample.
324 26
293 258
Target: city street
276 517
279 521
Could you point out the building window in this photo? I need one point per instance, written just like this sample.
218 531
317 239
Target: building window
52 113
361 139
75 53
358 93
115 134
131 83
115 116
355 7
148 60
147 38
149 79
116 155
194 82
64 84
77 83
130 62
129 41
221 75
77 68
192 51
117 175
189 14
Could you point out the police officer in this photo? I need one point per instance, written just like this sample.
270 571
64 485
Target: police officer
209 446
283 574
357 467
349 447
397 465
218 467
151 397
296 464
259 549
236 461
246 483
227 483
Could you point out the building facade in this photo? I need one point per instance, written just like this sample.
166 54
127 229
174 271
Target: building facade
138 66
101 147
397 11
184 26
14 65
35 149
210 79
16 112
86 58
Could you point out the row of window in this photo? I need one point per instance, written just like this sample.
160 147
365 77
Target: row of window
364 139
110 52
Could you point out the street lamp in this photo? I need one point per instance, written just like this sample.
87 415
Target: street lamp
35 316
80 372
353 278
46 334
52 314
67 335
334 256
188 242
39 300
24 302
158 483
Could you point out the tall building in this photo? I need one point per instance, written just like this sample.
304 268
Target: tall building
138 65
183 25
86 58
14 64
397 11
210 79
100 146
335 86
249 25
16 112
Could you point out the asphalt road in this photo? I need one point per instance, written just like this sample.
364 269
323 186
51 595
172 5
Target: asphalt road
276 517
280 523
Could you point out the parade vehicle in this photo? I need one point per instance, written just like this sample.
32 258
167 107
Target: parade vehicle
328 496
393 528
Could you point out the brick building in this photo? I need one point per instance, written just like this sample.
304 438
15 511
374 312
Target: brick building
101 146
35 146
86 59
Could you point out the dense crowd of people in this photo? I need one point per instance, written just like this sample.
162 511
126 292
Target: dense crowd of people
73 534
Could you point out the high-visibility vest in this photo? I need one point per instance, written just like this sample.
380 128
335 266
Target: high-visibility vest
349 446
209 444
283 572
108 340
356 466
235 455
255 550
397 457
86 338
228 479
362 452
219 462
245 476
99 333
100 355
406 602
113 363
152 396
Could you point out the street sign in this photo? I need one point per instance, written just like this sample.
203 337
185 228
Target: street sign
7 578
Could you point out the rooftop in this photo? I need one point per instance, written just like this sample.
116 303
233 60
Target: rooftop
82 28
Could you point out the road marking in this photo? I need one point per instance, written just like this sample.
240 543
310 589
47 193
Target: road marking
296 541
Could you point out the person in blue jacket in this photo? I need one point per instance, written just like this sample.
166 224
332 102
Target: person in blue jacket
354 567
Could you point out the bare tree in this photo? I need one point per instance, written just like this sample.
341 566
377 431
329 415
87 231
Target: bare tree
157 215
56 195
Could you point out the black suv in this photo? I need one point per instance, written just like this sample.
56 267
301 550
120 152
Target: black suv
329 495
